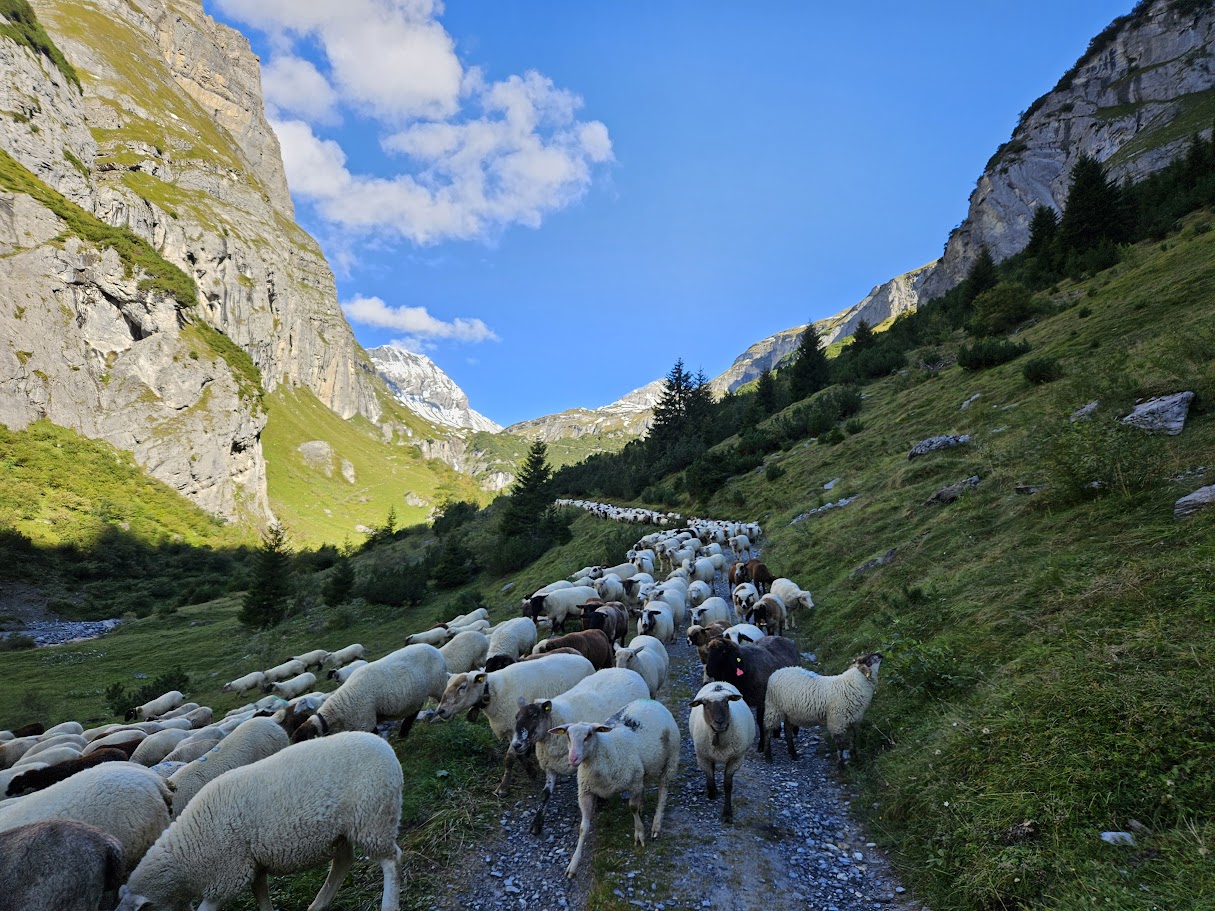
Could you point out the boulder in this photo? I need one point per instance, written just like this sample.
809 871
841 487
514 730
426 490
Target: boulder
932 444
1085 412
955 491
1165 414
883 560
1192 503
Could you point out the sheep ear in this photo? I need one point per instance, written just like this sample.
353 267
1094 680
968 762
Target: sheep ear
522 702
560 729
602 729
733 697
743 637
695 702
480 678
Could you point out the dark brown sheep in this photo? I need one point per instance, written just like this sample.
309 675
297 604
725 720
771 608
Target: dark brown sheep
748 667
60 864
593 643
37 779
760 576
737 574
700 636
33 729
612 618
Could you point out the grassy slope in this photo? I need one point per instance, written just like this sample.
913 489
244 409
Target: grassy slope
318 507
1049 660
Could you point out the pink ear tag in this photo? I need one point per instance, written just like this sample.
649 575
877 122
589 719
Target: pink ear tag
738 671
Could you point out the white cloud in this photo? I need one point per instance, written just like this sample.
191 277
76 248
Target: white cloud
415 321
476 156
293 85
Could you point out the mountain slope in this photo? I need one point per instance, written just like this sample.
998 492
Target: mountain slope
418 384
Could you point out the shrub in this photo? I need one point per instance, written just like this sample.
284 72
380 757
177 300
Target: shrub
989 352
16 643
395 584
1002 309
340 583
773 471
853 427
1092 458
832 437
1040 370
453 566
121 700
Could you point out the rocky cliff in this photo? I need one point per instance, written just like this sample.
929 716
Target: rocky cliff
417 383
1145 85
166 137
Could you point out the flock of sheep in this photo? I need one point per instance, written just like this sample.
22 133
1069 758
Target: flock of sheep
183 808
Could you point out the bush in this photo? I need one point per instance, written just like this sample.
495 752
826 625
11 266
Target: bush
853 427
832 437
773 471
989 352
393 583
453 566
16 643
1042 370
1002 309
121 700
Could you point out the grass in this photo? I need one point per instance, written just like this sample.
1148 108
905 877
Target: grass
24 28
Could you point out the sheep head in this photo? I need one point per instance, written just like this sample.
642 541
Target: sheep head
868 665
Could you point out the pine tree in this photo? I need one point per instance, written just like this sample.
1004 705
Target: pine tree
530 496
810 371
1043 230
340 583
982 275
765 392
671 410
1094 212
862 336
265 603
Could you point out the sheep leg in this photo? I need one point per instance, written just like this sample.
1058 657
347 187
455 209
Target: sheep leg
407 723
550 781
765 741
392 881
508 769
343 859
211 904
727 812
790 733
662 803
711 781
261 891
637 804
586 803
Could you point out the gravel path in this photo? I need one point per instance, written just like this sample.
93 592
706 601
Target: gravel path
792 844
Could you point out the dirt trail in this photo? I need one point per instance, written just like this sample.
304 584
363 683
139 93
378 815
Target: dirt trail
792 844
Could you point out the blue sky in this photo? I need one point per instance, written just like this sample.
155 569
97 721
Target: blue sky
554 200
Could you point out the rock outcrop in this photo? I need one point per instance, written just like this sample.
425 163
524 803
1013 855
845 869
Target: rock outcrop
419 385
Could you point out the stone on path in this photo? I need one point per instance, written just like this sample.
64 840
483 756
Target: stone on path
1165 414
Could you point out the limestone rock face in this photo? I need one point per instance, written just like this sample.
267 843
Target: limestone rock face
168 139
1131 104
419 385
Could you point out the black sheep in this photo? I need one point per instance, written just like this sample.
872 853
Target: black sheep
748 667
37 779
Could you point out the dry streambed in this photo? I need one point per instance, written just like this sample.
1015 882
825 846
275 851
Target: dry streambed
792 844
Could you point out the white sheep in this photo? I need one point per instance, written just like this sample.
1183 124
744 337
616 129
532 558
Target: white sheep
254 681
722 729
740 544
180 712
512 638
190 749
793 596
395 686
475 616
253 740
594 698
698 593
648 657
676 597
466 650
701 568
57 740
48 757
155 747
560 605
656 621
744 632
121 798
158 706
313 660
289 812
744 597
296 686
198 718
711 611
609 588
64 727
798 698
637 746
497 694
621 570
343 656
435 636
284 671
342 674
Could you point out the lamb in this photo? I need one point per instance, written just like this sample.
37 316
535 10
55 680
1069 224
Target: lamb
744 632
120 798
343 656
158 706
594 698
498 693
748 667
253 681
723 730
513 638
592 643
711 611
769 614
76 864
254 822
435 636
797 698
793 596
612 618
253 740
698 592
699 637
393 687
648 657
296 686
637 746
37 776
284 671
656 621
464 651
156 747
559 605
744 596
342 674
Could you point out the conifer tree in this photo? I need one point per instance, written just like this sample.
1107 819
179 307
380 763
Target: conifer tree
1043 230
982 275
265 603
340 583
530 496
1094 212
765 393
671 410
810 371
862 336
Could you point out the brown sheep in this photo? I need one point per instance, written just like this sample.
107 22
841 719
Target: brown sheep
33 729
760 576
612 618
700 636
592 643
37 779
737 574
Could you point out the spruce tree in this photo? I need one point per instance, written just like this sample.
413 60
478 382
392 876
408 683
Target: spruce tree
1043 230
862 336
671 410
340 583
1094 212
982 275
810 371
530 496
265 603
765 393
